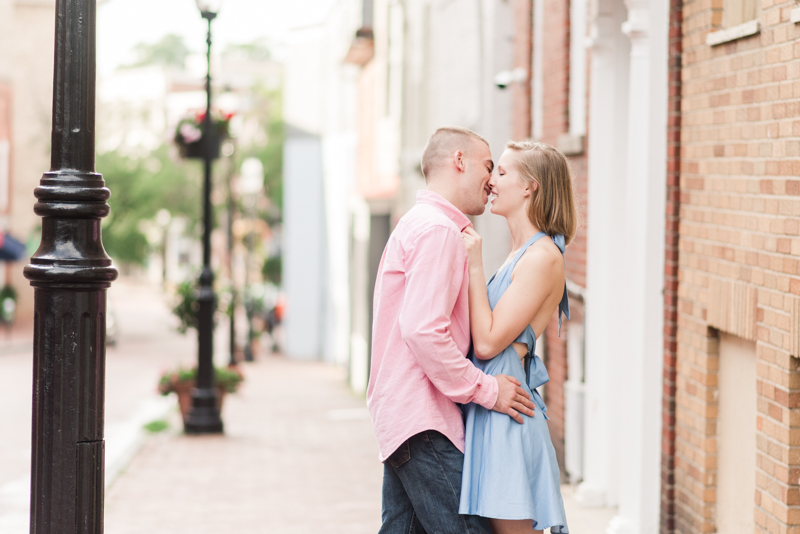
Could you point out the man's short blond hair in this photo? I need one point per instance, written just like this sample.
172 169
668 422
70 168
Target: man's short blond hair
443 143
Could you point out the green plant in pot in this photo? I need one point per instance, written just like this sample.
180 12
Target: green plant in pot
8 304
181 381
186 305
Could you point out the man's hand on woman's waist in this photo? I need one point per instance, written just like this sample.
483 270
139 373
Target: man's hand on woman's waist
512 399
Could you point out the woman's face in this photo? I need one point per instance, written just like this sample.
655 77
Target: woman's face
510 192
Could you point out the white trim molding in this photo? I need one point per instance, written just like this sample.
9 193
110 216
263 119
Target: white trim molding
736 32
794 16
607 132
570 144
577 70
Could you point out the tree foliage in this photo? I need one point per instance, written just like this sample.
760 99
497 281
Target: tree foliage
267 108
170 50
255 51
140 187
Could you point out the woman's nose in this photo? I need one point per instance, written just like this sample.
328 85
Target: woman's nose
493 180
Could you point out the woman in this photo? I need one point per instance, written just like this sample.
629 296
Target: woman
510 472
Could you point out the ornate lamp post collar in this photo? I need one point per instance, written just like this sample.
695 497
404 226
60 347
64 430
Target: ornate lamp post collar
209 8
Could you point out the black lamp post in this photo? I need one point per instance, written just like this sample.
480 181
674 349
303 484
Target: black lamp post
204 416
251 183
232 319
70 273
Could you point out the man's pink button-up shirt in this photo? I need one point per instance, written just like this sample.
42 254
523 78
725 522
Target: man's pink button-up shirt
420 330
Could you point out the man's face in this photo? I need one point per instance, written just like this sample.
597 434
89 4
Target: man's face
475 182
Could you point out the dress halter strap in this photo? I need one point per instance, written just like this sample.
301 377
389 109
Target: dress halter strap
525 247
563 306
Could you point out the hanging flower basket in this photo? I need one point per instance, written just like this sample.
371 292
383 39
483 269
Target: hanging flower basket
189 134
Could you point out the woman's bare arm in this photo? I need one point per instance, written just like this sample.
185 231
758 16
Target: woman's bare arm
537 274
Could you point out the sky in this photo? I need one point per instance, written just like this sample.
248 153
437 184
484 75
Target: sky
122 24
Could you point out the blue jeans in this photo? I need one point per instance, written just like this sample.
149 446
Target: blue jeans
422 488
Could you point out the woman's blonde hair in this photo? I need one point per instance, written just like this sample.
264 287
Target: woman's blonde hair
552 207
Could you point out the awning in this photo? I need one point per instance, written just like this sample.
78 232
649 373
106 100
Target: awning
11 249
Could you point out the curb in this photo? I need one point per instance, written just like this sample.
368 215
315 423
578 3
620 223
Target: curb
123 441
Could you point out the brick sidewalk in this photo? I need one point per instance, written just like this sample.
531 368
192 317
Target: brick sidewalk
292 460
298 456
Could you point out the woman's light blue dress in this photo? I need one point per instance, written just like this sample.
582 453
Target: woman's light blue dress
510 469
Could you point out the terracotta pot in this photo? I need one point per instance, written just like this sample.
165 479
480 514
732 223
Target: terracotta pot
184 392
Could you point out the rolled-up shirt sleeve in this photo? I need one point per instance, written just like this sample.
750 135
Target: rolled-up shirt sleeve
435 267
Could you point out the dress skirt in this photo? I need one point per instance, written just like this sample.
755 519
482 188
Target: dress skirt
510 469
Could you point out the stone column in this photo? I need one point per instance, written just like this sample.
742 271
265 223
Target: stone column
641 339
605 309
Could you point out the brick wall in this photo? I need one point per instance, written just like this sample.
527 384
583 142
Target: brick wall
555 122
671 269
521 92
555 360
738 265
555 66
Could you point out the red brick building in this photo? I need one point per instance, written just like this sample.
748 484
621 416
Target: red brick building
541 109
5 149
738 336
606 91
674 389
718 83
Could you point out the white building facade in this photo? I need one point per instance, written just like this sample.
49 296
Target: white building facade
319 169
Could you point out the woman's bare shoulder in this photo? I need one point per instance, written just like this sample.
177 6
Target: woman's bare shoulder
542 259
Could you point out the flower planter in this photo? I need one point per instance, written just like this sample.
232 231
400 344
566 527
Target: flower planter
190 135
184 392
181 382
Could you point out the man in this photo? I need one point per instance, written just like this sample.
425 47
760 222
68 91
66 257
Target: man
420 341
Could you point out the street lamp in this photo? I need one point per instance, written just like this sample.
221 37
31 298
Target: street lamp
209 8
70 273
204 418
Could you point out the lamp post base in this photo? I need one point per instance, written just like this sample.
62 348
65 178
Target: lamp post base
204 416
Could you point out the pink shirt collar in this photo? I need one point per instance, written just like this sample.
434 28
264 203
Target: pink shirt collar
442 204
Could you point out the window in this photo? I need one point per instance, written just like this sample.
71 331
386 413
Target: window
736 12
739 19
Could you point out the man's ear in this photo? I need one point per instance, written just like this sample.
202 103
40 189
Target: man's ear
458 160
